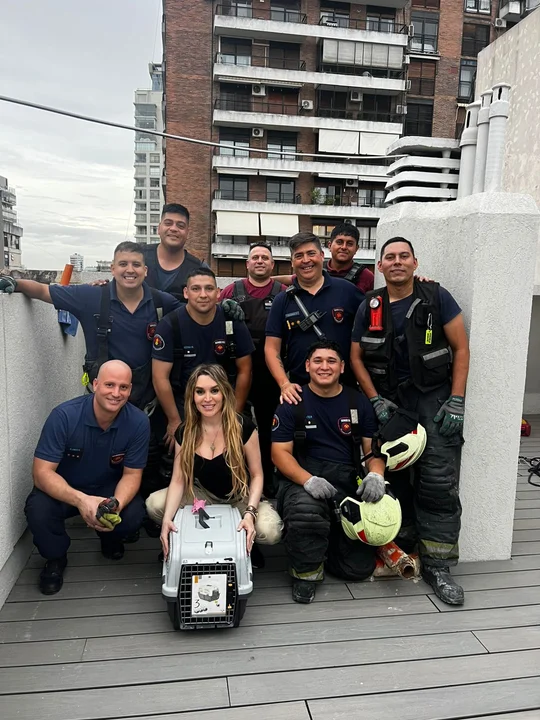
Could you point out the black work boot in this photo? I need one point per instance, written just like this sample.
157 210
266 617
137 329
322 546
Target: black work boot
111 548
51 577
152 529
257 558
444 585
303 591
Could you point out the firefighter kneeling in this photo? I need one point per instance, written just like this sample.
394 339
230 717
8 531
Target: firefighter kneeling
316 447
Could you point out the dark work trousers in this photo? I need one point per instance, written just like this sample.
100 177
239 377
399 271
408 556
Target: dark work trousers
264 396
46 519
429 489
158 471
314 538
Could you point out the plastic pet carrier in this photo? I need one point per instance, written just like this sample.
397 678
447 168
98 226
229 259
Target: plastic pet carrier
207 577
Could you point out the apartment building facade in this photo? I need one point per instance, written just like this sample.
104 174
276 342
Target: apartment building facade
11 230
149 157
326 87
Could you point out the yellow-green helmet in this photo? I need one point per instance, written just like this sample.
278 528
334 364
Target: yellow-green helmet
373 523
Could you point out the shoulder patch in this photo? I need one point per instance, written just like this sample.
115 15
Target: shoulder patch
158 343
275 422
344 425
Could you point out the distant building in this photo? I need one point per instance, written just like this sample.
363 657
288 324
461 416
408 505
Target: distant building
148 158
103 266
77 260
11 230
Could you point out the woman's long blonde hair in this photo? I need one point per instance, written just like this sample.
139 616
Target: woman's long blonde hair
190 433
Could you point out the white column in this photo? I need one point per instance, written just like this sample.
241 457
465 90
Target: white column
482 142
468 150
498 117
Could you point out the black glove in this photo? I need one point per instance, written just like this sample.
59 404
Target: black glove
451 413
384 409
233 310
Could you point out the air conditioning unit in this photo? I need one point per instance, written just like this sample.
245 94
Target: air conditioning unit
350 182
329 23
407 60
356 96
500 23
257 132
259 90
307 105
408 85
401 109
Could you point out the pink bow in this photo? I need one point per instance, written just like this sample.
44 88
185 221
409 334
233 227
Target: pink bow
198 505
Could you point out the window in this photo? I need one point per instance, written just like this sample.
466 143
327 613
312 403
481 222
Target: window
145 110
376 107
140 182
140 219
475 38
235 52
153 229
141 230
286 142
323 232
371 197
380 22
280 191
239 138
155 159
285 56
334 15
285 11
426 32
429 4
467 73
422 77
146 123
239 8
419 118
155 171
140 207
154 219
140 157
154 183
368 237
154 206
145 146
233 188
326 195
141 194
233 239
478 6
154 194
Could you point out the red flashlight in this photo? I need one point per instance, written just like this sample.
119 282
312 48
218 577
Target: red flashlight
375 309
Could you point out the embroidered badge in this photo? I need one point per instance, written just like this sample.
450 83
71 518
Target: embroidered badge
220 347
275 422
344 425
338 314
118 458
158 343
151 330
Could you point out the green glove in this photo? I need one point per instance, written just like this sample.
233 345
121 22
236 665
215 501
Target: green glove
384 409
451 413
232 310
7 284
107 513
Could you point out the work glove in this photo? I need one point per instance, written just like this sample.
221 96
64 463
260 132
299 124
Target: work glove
7 284
233 310
319 488
451 413
384 409
107 513
372 488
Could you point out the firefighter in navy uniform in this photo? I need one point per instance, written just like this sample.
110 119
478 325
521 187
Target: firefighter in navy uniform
410 349
315 307
198 333
318 463
255 295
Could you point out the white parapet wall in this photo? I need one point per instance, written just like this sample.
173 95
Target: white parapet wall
482 249
40 367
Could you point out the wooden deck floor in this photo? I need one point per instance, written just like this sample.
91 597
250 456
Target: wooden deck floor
104 647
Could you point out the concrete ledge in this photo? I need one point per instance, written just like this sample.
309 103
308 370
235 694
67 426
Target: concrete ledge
14 565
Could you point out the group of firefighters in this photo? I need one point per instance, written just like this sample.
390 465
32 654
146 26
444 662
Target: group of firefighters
327 366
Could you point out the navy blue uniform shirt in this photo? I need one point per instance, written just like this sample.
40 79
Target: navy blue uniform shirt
91 458
327 424
338 299
198 341
130 338
448 308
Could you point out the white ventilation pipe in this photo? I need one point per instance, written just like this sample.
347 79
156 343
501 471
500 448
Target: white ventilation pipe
468 150
482 142
498 117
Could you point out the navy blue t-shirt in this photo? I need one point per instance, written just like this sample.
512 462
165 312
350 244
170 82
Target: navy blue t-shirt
200 343
327 424
338 299
130 338
91 458
448 308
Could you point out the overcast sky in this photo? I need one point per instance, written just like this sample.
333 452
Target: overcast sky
74 180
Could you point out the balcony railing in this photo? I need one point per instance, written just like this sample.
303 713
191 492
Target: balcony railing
261 61
271 197
365 71
257 13
366 115
385 26
346 200
256 105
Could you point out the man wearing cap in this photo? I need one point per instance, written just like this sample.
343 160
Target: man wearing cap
313 449
410 350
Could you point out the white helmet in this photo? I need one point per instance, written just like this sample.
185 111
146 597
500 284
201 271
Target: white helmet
403 452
